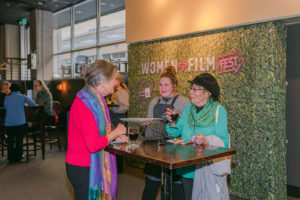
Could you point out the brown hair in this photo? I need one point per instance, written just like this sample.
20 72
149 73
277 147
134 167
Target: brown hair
122 84
99 70
170 72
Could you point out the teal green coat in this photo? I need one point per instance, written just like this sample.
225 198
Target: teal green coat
185 131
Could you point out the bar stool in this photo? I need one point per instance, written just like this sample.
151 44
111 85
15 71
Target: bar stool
52 127
34 130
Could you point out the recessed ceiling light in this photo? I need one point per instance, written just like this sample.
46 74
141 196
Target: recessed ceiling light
112 5
103 4
7 4
40 3
78 11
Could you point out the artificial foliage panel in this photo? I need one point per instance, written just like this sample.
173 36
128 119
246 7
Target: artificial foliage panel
249 63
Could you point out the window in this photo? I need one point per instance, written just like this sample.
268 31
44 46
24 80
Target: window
85 24
112 27
62 66
76 44
83 59
62 31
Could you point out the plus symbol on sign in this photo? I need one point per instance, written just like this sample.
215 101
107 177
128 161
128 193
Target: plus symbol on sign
182 65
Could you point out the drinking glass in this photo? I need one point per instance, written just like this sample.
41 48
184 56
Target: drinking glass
133 133
174 116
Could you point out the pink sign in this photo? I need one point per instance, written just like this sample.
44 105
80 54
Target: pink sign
230 62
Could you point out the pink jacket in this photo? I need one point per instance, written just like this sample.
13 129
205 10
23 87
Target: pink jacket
83 135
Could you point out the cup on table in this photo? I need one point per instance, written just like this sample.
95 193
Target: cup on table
133 133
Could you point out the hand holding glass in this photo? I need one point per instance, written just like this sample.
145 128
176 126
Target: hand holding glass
174 117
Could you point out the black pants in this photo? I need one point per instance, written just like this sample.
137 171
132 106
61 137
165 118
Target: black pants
188 187
152 186
15 135
79 178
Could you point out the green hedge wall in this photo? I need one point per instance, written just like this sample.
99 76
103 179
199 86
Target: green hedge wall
254 97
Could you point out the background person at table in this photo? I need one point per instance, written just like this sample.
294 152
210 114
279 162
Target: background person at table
44 97
168 83
5 85
120 97
91 170
15 122
205 119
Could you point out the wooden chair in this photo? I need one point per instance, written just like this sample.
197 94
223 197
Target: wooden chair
35 130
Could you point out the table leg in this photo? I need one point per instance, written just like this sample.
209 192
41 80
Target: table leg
42 141
166 193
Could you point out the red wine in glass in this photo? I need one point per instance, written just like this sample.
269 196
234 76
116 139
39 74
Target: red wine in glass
133 133
174 117
133 136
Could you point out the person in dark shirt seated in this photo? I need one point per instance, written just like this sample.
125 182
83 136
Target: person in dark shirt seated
15 122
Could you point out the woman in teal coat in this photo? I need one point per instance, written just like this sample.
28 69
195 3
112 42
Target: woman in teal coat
203 121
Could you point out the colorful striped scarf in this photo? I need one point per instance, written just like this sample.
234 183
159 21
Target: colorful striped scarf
103 170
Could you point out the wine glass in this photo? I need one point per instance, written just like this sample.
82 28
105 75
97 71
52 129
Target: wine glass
133 133
174 116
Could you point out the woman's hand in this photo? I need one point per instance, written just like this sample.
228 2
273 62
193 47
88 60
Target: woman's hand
122 138
118 131
201 139
168 114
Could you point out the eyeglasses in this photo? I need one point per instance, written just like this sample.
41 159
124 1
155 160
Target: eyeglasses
195 89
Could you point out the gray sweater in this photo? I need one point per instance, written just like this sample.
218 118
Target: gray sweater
45 98
179 105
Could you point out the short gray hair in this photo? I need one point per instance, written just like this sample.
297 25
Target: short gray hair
99 70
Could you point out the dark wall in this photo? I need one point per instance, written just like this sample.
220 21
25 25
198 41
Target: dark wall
65 97
292 104
25 85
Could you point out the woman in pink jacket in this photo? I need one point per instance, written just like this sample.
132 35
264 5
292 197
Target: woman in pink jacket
91 170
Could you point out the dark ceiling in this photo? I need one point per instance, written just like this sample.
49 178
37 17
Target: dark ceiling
12 11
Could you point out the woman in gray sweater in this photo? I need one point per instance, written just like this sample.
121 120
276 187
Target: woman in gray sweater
168 98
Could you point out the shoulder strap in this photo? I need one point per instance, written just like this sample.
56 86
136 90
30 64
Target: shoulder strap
174 100
158 101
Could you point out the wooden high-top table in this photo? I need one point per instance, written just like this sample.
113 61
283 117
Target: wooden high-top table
170 156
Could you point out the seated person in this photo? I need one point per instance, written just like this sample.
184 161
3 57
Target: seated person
44 97
120 97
